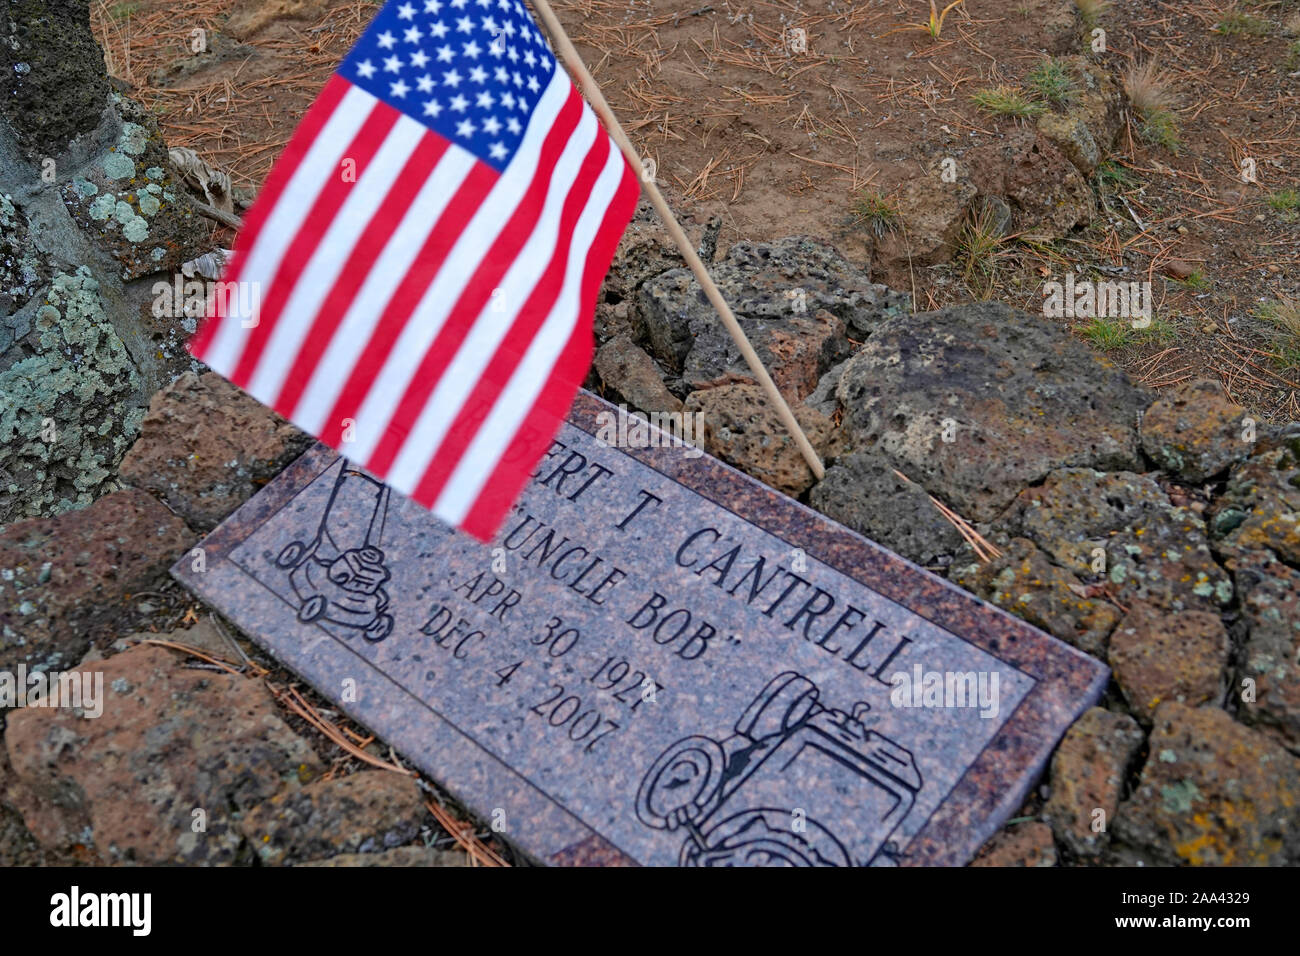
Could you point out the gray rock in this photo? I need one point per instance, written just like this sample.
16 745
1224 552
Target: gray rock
796 298
862 492
742 428
1196 432
1270 603
631 374
825 397
1017 396
70 409
1120 531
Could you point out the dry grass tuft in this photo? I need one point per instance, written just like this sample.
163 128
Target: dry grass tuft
1149 88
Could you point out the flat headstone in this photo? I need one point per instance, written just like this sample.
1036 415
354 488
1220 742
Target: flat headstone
658 660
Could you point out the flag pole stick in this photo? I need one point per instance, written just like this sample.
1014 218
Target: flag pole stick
587 83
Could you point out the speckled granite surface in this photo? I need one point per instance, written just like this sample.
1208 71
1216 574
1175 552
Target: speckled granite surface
658 661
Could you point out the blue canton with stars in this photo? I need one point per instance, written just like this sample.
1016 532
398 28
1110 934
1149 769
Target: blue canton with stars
470 70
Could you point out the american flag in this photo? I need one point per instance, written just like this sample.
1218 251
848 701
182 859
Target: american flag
423 261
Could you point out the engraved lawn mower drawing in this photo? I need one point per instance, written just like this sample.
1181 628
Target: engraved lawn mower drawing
739 800
339 576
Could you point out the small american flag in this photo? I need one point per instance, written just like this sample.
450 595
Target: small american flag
424 257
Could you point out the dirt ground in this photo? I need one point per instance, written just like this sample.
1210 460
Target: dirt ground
781 133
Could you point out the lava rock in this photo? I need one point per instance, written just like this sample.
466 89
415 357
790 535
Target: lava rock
1024 581
742 428
1016 396
64 579
932 213
1086 129
205 447
862 492
366 812
1122 530
1157 656
1196 432
1021 844
626 369
1088 772
794 297
1212 793
53 78
1260 507
163 774
1270 603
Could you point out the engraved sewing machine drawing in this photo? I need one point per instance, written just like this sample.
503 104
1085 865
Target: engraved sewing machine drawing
720 792
339 575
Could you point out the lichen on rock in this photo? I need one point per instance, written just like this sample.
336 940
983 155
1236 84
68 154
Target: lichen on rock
68 410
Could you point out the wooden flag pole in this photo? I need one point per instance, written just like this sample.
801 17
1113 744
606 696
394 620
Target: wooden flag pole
587 83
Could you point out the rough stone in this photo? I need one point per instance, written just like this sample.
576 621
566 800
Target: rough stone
1212 793
1047 194
69 408
825 397
1196 432
366 812
1121 531
24 271
794 297
403 856
129 203
1088 772
1022 396
53 80
1086 129
1021 844
742 428
205 447
644 251
863 492
1260 507
1157 656
170 742
64 579
931 213
627 370
1270 602
1025 582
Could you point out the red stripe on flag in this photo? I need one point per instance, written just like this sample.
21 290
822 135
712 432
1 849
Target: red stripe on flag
478 291
369 138
496 375
369 246
423 270
281 173
538 430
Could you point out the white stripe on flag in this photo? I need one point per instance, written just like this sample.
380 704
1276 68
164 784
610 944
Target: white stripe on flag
331 256
516 400
317 167
478 237
445 402
391 267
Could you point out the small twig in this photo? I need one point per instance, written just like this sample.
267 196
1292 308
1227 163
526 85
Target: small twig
220 215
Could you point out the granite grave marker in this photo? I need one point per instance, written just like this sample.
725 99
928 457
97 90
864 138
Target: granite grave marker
658 660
